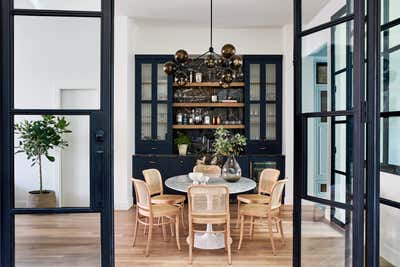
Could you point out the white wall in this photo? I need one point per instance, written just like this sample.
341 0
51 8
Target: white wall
124 103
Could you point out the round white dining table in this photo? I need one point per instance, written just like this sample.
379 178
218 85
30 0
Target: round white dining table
210 240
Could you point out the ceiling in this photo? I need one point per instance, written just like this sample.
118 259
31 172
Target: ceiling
227 13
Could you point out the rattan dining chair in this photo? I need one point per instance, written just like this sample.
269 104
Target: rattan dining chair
268 177
154 181
146 213
269 211
212 171
209 204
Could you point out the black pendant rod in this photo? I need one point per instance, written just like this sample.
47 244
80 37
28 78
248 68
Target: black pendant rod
211 25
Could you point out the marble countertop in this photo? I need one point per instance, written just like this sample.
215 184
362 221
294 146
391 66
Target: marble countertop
181 183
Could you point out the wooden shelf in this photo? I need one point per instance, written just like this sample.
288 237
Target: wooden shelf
217 105
201 126
210 84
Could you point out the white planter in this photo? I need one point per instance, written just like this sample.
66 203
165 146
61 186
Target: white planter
182 150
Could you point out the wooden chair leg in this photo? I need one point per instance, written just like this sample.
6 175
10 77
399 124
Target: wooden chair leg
177 231
149 236
281 230
145 226
251 227
182 211
164 232
271 235
238 214
135 230
226 237
241 231
191 237
228 243
171 226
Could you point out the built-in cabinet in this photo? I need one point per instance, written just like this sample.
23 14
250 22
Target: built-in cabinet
153 98
263 98
157 100
262 105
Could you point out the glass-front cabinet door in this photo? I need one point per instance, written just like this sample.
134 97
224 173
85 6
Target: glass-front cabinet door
263 76
153 109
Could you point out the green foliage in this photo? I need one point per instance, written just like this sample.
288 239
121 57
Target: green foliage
36 138
227 144
182 139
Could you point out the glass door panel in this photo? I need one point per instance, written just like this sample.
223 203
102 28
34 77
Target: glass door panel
162 122
146 122
44 69
162 83
76 5
390 129
58 240
255 82
146 81
65 171
270 125
322 244
255 122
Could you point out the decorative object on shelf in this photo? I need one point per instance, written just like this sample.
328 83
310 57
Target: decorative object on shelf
214 98
179 118
182 141
229 145
199 76
36 139
227 66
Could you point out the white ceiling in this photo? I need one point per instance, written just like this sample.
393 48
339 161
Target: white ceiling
227 13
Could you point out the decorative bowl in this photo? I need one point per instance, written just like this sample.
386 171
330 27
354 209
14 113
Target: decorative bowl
195 177
204 179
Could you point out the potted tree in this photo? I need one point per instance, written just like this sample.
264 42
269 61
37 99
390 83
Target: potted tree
182 141
36 139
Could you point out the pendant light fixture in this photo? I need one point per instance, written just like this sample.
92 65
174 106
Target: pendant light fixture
227 66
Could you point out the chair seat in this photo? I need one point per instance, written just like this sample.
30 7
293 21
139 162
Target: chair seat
253 198
167 199
255 210
161 211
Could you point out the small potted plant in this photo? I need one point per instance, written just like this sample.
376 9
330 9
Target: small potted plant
36 139
182 141
228 145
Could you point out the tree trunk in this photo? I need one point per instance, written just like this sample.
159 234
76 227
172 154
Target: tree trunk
40 174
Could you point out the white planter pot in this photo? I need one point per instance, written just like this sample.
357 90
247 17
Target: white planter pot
182 150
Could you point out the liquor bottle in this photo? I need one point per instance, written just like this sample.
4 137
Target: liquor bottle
207 119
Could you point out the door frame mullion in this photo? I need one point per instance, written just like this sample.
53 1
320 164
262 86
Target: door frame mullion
298 134
373 133
358 135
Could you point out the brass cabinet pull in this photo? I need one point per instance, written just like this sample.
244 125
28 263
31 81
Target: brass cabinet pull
154 148
263 148
152 162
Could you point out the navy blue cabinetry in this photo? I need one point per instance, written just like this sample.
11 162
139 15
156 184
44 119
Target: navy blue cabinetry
263 99
153 105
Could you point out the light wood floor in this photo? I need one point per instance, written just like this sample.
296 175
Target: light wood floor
74 240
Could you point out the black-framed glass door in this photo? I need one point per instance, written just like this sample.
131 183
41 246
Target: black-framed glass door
56 93
329 229
389 200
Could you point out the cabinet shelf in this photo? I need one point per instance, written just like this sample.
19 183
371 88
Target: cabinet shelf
200 105
202 126
210 84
